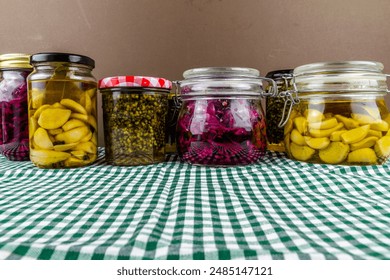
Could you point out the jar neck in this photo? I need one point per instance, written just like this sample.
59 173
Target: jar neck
58 66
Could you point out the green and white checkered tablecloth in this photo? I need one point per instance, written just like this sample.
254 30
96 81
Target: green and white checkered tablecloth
276 209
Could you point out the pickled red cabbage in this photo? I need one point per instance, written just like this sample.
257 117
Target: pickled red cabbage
14 138
221 132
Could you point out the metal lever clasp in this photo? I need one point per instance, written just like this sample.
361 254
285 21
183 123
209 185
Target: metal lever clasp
291 96
176 98
387 76
273 91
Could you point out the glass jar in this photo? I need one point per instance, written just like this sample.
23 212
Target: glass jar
62 110
221 121
134 113
274 107
339 115
14 69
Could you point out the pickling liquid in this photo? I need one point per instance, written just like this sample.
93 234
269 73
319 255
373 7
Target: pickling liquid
62 123
339 131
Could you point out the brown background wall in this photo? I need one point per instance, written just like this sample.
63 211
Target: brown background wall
165 37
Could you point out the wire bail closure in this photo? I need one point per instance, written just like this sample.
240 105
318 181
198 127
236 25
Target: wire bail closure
291 99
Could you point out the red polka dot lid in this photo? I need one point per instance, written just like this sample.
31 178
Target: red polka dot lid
134 81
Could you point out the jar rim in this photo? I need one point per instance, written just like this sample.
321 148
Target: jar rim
62 57
221 72
360 66
15 61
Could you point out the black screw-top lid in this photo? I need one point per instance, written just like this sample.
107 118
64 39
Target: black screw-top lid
278 74
62 57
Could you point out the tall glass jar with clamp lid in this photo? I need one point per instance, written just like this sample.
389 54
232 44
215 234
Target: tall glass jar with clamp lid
339 114
221 121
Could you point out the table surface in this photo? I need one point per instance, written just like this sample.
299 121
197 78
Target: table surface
275 209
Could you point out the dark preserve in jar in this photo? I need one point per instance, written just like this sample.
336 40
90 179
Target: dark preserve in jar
14 140
134 114
274 110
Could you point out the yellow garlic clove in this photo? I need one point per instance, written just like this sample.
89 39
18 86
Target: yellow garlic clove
380 125
317 143
365 143
313 115
335 153
52 118
382 147
348 122
326 124
355 135
297 138
319 133
74 106
47 157
300 123
42 139
73 135
365 155
302 153
72 123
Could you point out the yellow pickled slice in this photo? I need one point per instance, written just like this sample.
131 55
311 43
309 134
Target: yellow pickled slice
37 98
375 133
313 115
73 135
53 118
365 155
42 139
85 101
382 147
335 153
64 147
300 124
79 154
365 143
87 137
380 125
32 126
79 116
297 138
326 124
58 105
47 157
355 135
73 105
72 123
302 153
363 119
55 131
336 135
348 122
94 138
317 143
74 162
87 147
92 121
40 110
288 126
91 92
387 119
319 133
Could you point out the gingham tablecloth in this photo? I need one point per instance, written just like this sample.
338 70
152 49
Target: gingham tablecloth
276 209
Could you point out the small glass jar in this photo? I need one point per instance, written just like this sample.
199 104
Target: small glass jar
14 69
339 115
134 113
274 107
221 122
62 110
